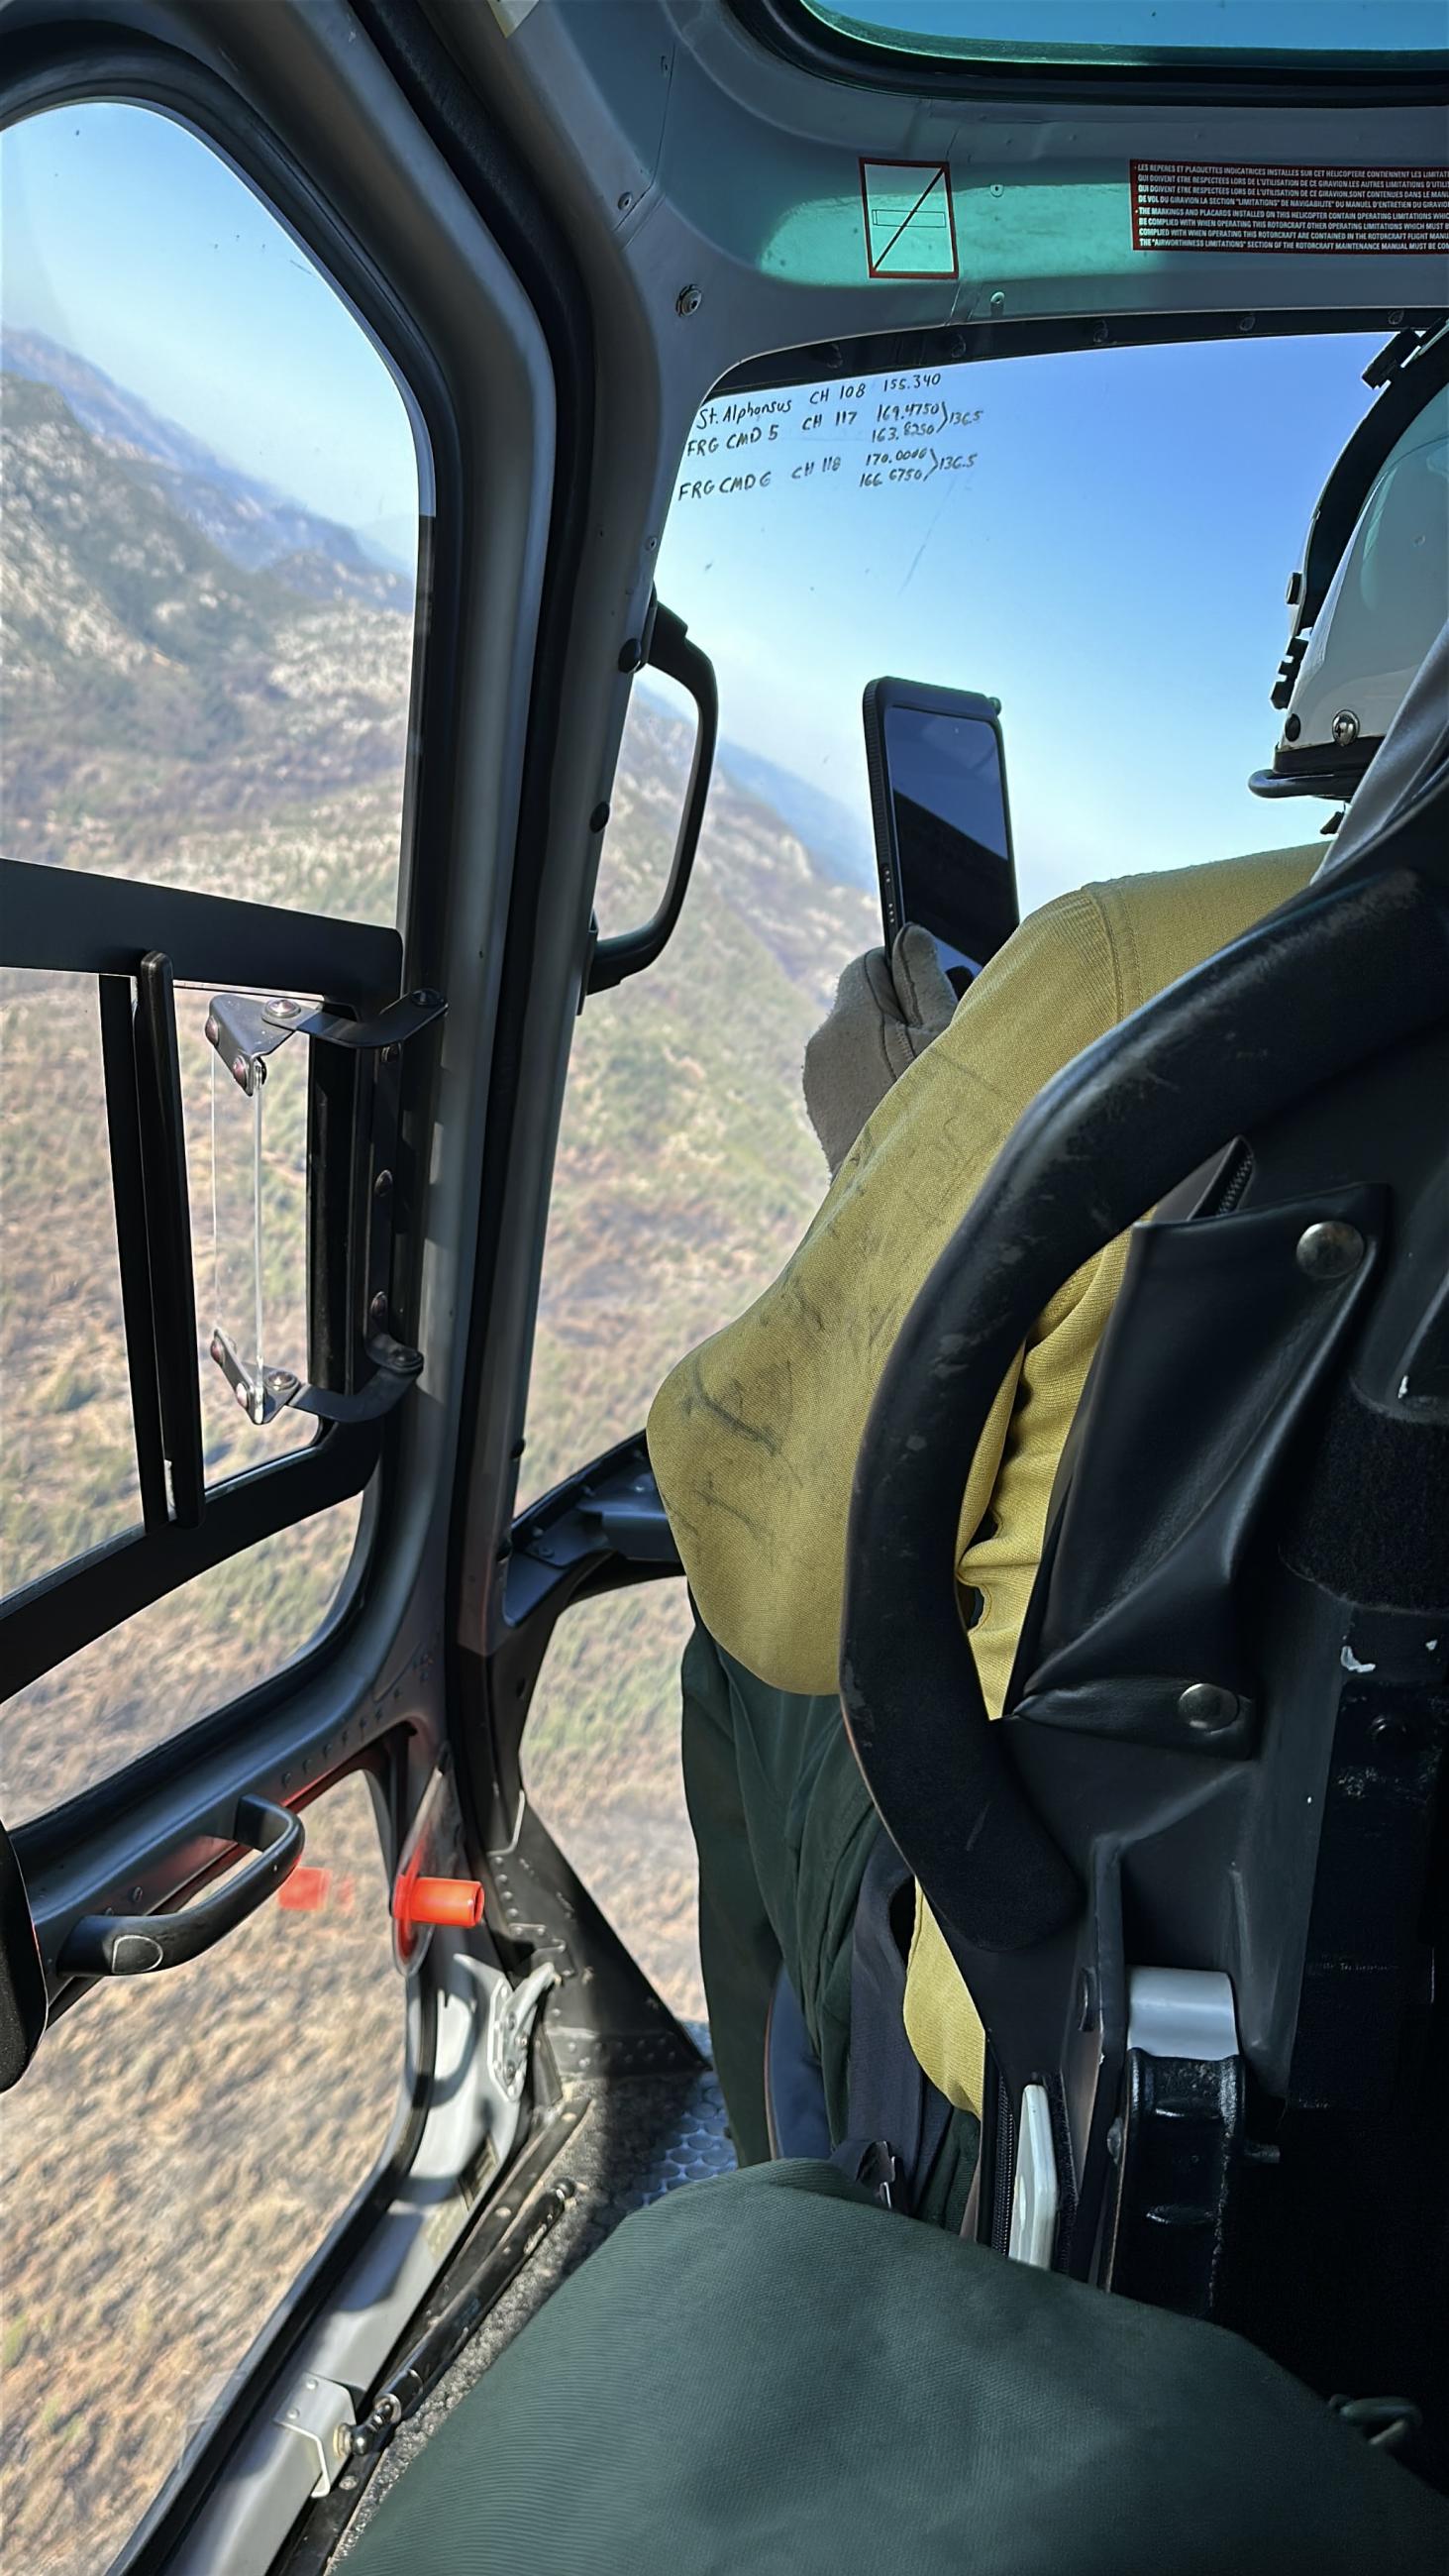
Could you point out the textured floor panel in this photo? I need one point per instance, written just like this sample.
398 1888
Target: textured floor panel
639 2140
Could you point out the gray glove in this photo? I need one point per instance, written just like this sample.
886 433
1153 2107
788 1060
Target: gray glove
887 1012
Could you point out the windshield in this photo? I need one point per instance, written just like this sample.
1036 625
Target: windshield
1167 32
1099 539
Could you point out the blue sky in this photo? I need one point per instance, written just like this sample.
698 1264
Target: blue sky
134 244
1112 567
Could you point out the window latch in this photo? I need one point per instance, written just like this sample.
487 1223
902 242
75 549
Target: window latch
245 1030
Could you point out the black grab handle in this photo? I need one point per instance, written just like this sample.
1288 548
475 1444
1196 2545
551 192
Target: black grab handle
134 1945
669 650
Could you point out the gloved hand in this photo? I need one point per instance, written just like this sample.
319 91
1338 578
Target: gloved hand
887 1012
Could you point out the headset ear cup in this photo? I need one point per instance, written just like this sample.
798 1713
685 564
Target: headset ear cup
1371 597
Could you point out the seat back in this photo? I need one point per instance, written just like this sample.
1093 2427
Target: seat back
1196 1879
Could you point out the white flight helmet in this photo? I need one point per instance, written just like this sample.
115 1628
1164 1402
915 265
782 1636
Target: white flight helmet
1350 663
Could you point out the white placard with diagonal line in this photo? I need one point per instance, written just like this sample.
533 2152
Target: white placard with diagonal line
910 227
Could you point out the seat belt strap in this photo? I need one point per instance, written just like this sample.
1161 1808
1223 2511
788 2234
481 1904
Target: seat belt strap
897 2117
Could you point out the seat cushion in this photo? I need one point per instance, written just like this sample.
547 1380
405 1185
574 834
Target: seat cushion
771 2375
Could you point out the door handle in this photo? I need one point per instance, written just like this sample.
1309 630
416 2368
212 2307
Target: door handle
133 1945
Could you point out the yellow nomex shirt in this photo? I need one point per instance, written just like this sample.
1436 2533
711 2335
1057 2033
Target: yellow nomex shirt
753 1437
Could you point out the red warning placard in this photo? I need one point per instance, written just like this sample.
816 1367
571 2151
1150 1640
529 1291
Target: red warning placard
1285 206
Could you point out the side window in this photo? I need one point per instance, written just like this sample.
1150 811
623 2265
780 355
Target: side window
68 1477
173 2156
209 555
210 532
686 1166
173 1662
601 1765
686 1171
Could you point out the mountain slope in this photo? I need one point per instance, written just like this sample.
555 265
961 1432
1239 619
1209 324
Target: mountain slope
155 692
98 566
837 835
255 527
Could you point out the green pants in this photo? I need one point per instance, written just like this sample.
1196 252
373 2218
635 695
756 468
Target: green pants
784 1827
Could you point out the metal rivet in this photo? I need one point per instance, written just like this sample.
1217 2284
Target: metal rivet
625 202
1330 1249
377 1311
382 1186
1247 321
1394 1733
1207 1708
1344 727
998 302
689 299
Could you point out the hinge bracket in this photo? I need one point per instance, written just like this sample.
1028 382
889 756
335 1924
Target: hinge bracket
512 2012
319 2413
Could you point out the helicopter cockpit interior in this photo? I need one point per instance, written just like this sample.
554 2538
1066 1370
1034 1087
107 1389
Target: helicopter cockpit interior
641 638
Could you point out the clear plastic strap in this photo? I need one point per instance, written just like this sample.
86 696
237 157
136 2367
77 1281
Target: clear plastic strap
215 1219
257 1214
